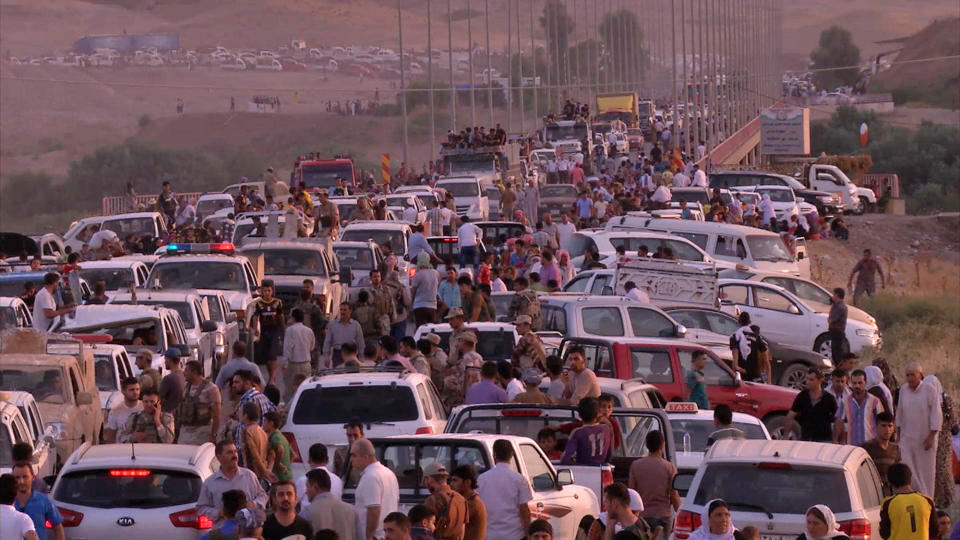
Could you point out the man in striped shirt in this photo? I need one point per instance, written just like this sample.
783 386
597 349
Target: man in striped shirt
856 419
439 218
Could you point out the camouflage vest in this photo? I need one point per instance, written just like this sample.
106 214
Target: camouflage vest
145 424
192 412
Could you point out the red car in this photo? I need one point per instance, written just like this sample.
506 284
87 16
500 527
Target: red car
662 362
635 138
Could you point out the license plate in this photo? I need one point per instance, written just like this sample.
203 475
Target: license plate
777 537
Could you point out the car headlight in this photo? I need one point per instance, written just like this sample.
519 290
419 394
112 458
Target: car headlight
59 430
866 332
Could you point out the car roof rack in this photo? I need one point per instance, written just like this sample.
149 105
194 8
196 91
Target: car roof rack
399 370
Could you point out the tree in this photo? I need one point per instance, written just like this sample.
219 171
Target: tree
558 26
836 49
527 61
623 58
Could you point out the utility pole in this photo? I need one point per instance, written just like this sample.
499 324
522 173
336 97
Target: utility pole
433 122
520 70
675 132
509 95
403 87
453 89
533 55
486 6
473 81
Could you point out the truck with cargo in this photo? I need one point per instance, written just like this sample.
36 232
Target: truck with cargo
312 171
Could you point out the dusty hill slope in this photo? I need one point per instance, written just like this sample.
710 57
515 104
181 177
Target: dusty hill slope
935 83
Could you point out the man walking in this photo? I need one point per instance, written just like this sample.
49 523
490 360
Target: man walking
298 344
423 289
866 271
529 352
45 308
468 236
652 478
505 495
378 493
36 505
171 386
117 419
198 416
814 409
837 323
318 459
340 331
857 412
230 476
908 514
325 509
463 480
448 505
267 324
919 420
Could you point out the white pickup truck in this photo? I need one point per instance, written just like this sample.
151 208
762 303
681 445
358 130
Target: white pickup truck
555 496
527 420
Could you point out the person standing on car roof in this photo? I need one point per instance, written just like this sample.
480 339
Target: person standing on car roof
267 323
814 409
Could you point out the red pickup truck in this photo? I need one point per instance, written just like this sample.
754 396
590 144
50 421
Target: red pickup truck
662 362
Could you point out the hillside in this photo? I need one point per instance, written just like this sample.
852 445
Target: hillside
931 83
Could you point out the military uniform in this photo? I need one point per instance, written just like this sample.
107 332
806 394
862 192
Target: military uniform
149 379
459 377
195 412
526 302
143 422
530 352
383 304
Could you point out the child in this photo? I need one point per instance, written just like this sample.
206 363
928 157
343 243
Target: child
547 439
606 417
278 449
483 275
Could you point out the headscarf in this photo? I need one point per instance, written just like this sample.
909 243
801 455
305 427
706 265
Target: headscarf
766 207
889 378
743 342
875 379
829 519
703 533
934 383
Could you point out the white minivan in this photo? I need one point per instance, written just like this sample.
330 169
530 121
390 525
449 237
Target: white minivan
745 246
468 195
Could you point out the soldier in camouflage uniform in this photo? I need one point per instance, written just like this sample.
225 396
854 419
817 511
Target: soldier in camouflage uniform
149 425
529 351
452 393
464 373
525 302
437 359
381 297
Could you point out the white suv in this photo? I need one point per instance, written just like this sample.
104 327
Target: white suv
386 401
785 478
134 491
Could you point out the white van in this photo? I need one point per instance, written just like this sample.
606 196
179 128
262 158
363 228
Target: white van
606 242
744 246
468 195
125 225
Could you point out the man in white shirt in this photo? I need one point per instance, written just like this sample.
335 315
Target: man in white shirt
378 493
565 230
318 458
662 195
634 292
187 214
130 388
564 167
612 141
45 306
103 243
13 524
680 180
506 495
468 236
552 171
699 177
298 344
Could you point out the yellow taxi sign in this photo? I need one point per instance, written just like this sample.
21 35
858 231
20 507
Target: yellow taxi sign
682 407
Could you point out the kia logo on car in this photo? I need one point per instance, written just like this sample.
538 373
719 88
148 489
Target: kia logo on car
125 521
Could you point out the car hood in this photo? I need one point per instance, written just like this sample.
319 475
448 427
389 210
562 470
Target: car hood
55 413
853 313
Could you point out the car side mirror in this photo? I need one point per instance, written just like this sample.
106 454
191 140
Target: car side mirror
231 318
49 440
208 326
682 482
49 480
564 477
679 331
800 256
737 379
84 398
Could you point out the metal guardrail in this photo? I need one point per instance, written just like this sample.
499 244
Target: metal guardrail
115 205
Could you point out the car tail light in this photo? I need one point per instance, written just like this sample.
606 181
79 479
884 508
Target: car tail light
294 448
190 518
523 412
775 466
424 431
606 478
856 529
685 524
412 271
70 518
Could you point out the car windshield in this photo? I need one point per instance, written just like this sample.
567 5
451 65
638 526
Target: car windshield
426 198
681 250
221 276
778 195
355 258
501 302
369 403
701 428
768 248
289 262
105 372
130 226
491 345
462 189
128 488
775 488
325 176
400 200
115 278
464 164
558 190
183 308
45 383
558 133
210 206
381 237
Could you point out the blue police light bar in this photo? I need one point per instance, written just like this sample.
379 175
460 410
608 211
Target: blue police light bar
188 249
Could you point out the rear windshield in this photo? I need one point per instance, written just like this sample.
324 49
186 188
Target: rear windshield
490 345
369 404
779 491
114 278
394 239
105 373
184 309
46 385
141 488
700 431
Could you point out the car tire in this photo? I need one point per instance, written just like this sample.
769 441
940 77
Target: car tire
775 424
794 376
861 207
823 346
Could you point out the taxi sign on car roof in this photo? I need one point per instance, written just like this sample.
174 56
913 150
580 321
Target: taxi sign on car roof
682 407
224 248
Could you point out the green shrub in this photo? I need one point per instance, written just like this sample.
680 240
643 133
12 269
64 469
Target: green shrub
892 309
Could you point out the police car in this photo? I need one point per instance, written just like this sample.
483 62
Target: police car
692 428
208 266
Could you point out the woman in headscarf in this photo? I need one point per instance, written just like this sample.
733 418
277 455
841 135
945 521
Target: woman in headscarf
821 525
876 387
943 484
767 212
716 523
567 270
889 379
